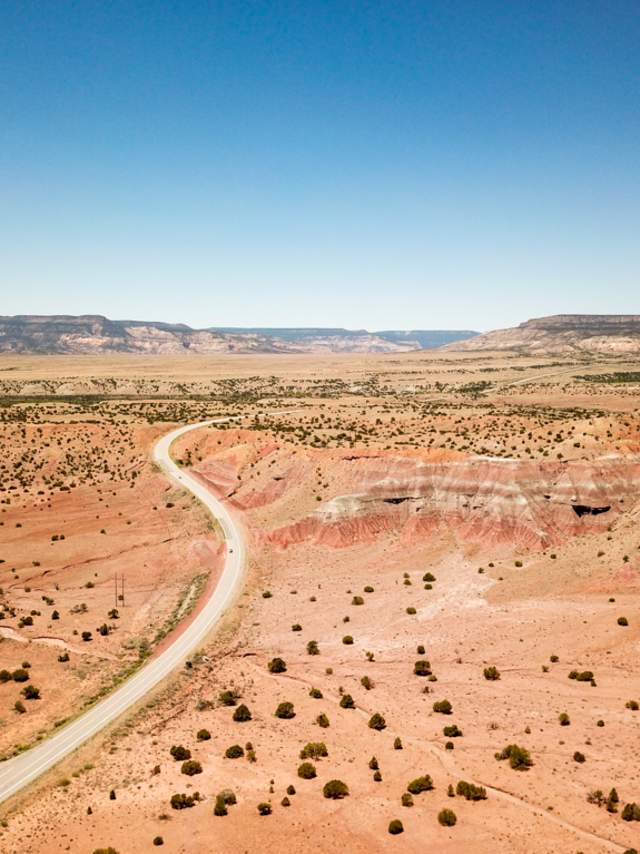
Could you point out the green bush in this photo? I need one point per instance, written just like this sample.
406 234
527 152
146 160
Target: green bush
377 722
191 767
335 789
20 675
234 752
277 665
631 812
519 757
470 791
228 698
307 771
452 731
444 707
407 799
420 784
395 827
182 801
285 711
180 753
422 667
242 714
314 750
447 818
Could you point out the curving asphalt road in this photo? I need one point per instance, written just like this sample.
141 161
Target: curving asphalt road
23 769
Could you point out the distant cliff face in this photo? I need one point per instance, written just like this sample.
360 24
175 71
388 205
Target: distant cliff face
564 333
97 334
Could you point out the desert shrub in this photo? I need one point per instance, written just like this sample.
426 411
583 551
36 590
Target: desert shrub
5 676
377 722
449 745
564 719
377 777
335 789
181 801
553 659
397 743
234 752
228 698
582 675
420 649
491 673
291 789
312 648
296 627
631 812
407 799
368 589
191 767
267 594
411 610
220 807
346 702
228 796
447 818
264 808
285 711
519 757
322 720
307 771
452 731
242 714
622 621
444 707
347 640
203 735
420 784
108 850
631 704
470 791
64 656
314 750
422 667
285 802
180 753
357 600
395 827
373 763
158 840
30 692
366 683
20 675
428 576
579 757
316 693
277 665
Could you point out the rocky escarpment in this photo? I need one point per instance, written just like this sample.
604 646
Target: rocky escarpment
486 502
96 334
564 333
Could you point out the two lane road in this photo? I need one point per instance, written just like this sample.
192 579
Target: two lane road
23 769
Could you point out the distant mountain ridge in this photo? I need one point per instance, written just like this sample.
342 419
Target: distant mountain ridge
93 333
563 333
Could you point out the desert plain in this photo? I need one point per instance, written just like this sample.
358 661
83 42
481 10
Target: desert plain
440 608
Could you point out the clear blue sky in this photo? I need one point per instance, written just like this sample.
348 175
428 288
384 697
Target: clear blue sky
384 164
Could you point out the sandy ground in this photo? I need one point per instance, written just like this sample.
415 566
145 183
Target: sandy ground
520 579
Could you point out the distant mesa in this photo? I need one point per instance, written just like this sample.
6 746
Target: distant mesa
563 333
93 333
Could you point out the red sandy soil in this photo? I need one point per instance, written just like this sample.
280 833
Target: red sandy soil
313 557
